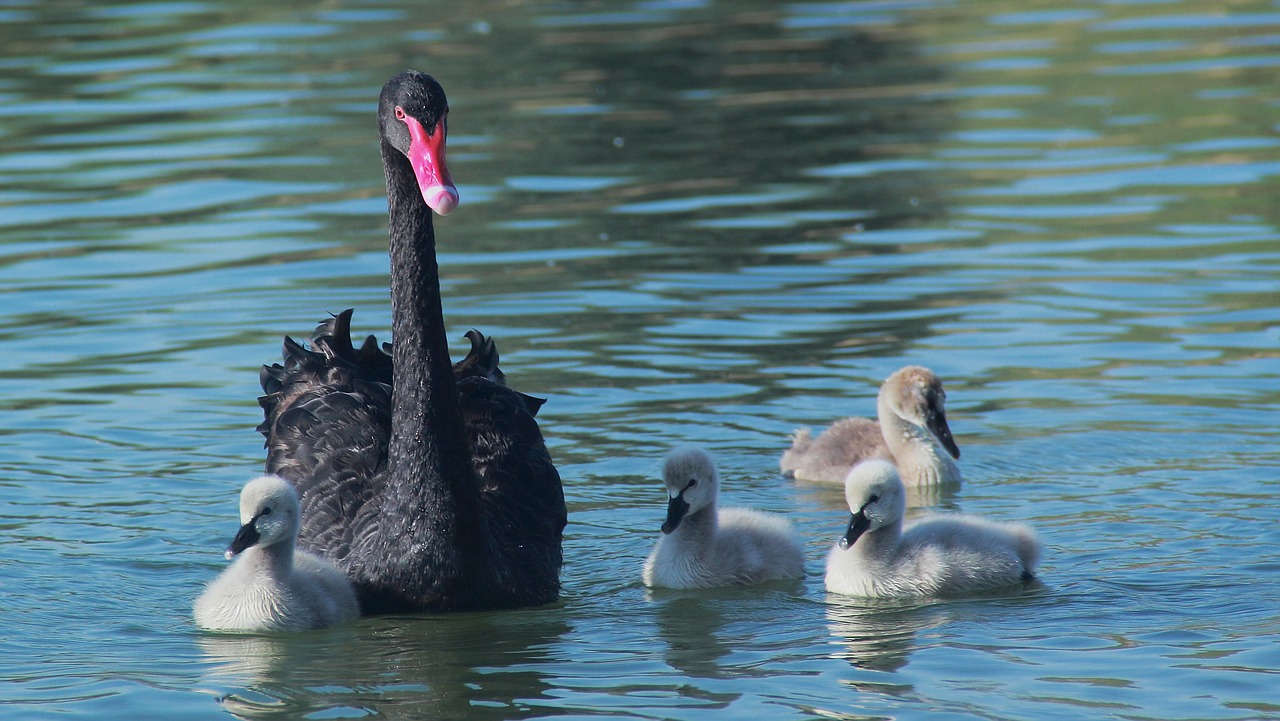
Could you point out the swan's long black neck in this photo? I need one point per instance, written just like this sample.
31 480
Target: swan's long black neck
428 462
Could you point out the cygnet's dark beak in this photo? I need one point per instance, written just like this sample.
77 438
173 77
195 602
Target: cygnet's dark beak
937 424
858 524
676 508
247 536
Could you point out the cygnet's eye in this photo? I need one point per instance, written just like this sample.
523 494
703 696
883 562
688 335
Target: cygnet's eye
873 499
692 482
266 511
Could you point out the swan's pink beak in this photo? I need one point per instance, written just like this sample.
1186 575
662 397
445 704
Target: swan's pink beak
426 155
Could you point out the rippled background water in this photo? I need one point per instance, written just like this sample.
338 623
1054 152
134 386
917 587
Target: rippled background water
684 221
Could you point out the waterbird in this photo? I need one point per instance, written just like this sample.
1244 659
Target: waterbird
271 586
430 487
945 554
912 431
703 546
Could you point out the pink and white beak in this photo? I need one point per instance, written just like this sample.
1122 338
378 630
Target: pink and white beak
426 155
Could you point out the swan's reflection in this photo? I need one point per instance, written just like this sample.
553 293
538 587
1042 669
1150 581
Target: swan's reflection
831 495
879 634
472 666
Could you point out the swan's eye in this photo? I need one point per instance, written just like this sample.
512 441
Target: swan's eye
265 511
873 499
400 114
692 482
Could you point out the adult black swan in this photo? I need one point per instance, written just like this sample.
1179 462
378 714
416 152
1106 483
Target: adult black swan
428 484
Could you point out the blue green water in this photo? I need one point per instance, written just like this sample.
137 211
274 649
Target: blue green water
684 222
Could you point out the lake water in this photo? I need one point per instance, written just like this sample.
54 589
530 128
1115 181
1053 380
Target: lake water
684 222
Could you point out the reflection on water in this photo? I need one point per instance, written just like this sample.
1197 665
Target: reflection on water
473 666
702 632
919 498
880 634
684 222
689 626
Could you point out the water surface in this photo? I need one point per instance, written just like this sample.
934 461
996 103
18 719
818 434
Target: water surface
684 222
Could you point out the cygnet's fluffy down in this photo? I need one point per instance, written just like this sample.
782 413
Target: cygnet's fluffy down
911 431
939 555
271 586
702 547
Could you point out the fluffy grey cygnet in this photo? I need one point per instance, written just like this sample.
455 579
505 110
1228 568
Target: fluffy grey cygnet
702 546
939 555
271 586
911 431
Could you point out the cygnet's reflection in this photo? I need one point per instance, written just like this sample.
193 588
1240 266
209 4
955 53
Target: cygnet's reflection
827 495
879 634
473 666
701 628
689 625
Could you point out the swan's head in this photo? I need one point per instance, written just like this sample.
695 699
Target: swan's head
915 394
876 498
269 513
413 115
692 484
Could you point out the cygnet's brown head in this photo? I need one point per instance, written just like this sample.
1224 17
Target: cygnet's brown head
915 394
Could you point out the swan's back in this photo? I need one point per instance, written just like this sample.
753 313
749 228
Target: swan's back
833 452
952 554
765 544
327 427
327 423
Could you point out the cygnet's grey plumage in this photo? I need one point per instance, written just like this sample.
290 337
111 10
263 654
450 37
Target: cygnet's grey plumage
912 432
702 546
939 555
271 586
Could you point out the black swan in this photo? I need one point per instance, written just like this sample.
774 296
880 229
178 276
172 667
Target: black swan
428 484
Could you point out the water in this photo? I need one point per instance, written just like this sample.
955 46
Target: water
683 222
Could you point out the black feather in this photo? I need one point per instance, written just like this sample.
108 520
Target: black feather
327 422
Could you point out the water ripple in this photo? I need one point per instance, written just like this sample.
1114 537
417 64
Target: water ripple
684 222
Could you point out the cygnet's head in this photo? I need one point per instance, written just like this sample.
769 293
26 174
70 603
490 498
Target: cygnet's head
692 484
915 393
269 511
876 498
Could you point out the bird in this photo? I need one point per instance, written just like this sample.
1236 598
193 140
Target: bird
271 586
911 431
702 546
947 554
428 484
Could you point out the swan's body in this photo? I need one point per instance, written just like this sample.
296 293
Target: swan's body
912 432
428 485
702 546
939 555
271 586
